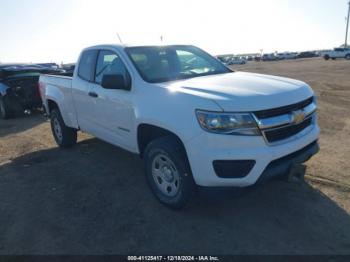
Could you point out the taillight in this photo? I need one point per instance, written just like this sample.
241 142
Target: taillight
41 89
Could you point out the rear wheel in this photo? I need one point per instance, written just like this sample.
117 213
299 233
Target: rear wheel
168 172
5 111
326 57
347 57
65 136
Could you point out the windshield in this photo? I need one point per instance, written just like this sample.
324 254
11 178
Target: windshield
168 63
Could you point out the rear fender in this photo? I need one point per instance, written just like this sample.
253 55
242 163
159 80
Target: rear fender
54 94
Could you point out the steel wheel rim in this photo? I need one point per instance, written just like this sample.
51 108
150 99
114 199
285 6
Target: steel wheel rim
165 175
57 129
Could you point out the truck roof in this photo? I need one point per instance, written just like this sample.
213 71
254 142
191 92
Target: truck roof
122 46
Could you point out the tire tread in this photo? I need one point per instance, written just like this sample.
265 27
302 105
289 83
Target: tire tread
177 153
69 138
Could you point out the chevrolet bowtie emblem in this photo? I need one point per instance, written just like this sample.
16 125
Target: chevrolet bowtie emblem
298 116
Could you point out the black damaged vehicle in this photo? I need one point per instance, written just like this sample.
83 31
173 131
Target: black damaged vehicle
19 88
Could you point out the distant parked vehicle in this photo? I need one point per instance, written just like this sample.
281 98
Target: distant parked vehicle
237 61
249 58
69 69
337 53
269 57
49 65
307 54
281 56
287 55
19 89
257 58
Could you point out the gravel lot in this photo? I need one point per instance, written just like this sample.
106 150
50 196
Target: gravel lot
93 199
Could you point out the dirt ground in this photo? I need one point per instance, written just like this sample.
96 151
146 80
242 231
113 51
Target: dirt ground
93 198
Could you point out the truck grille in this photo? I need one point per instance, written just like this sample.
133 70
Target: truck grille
283 110
275 135
279 124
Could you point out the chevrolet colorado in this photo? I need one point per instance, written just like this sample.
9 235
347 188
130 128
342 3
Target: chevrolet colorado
192 120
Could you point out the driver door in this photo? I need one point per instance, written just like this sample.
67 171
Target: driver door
113 108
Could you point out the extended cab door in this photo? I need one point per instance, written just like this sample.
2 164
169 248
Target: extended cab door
113 108
81 91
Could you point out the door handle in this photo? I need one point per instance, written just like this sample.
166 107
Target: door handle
93 94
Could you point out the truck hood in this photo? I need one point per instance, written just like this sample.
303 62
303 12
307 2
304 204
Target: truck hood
240 91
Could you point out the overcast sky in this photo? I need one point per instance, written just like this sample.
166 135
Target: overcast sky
56 30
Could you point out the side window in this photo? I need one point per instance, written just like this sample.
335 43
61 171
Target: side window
86 65
108 63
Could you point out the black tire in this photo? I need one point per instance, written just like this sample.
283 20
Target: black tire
326 57
171 149
347 57
68 136
333 58
5 111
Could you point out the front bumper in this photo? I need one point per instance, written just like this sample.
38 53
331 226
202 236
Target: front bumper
207 148
284 164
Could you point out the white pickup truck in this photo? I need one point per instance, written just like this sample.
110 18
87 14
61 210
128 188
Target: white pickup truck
192 120
337 53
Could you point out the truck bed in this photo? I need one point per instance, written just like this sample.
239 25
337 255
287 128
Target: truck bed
57 80
59 87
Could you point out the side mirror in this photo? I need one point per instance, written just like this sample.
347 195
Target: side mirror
115 82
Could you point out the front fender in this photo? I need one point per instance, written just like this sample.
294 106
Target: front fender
173 111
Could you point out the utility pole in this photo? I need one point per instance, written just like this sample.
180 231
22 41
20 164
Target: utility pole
347 27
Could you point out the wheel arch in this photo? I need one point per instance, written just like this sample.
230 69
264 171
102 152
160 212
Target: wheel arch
146 133
51 104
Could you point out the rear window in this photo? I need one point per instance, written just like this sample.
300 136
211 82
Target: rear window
87 64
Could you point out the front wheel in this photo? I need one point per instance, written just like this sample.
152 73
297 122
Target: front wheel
168 172
347 57
65 136
326 57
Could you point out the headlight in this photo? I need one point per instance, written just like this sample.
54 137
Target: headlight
228 123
